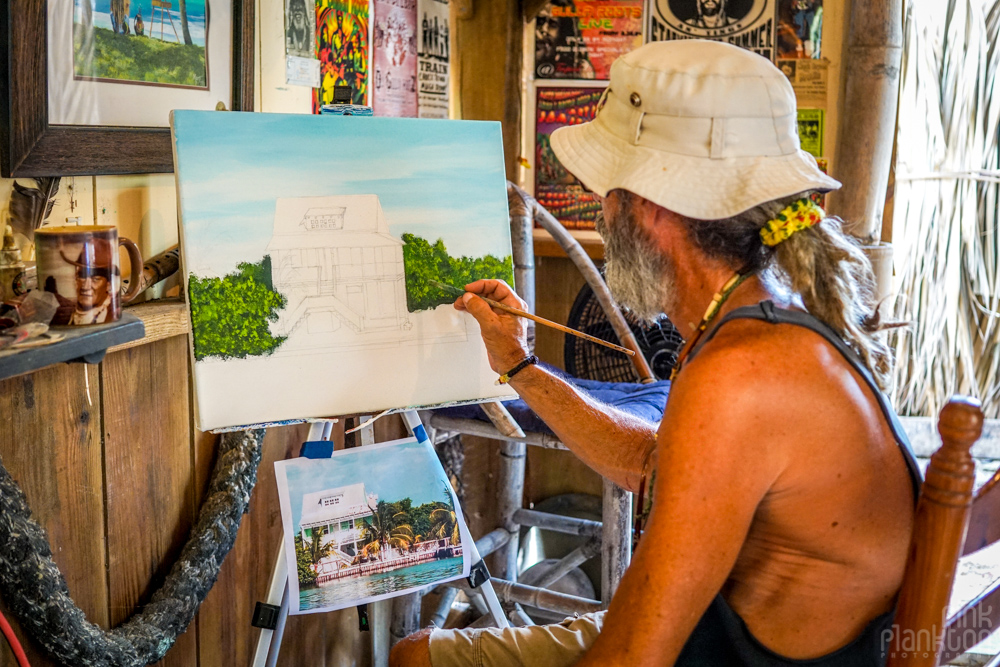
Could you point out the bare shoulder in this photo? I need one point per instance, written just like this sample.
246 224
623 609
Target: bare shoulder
776 379
753 357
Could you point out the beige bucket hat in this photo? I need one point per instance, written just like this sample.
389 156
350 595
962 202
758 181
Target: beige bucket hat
702 128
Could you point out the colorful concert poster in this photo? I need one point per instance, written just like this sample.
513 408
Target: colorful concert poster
342 35
579 39
746 23
555 188
800 28
394 79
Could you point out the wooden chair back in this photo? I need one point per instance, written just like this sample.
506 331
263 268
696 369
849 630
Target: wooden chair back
950 523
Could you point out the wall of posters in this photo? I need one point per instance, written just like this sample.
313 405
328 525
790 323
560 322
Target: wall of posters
342 34
394 77
433 64
800 28
555 188
746 23
579 39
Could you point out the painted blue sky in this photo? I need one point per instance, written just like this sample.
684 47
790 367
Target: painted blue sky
434 178
407 470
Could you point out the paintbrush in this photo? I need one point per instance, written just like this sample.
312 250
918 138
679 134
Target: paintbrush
535 318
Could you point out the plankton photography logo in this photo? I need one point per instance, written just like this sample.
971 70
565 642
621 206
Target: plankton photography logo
973 628
745 23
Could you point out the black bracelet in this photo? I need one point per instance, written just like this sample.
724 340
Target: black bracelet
527 361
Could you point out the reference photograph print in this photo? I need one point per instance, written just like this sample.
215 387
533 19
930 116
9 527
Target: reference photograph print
368 524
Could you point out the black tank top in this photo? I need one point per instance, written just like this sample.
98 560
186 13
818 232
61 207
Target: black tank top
721 638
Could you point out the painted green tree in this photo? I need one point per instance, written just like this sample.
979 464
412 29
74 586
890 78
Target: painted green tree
425 261
231 316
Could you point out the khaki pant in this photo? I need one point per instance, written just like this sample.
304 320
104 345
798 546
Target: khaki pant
558 645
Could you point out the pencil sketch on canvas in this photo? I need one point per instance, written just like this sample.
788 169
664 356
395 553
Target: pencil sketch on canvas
311 281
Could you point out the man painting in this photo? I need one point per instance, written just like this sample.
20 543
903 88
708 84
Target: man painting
782 487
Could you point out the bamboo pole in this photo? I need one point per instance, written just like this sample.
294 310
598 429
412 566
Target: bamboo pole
868 122
558 524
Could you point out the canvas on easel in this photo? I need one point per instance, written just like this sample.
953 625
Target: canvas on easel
311 245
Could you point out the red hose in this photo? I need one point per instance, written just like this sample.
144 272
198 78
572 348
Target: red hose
15 646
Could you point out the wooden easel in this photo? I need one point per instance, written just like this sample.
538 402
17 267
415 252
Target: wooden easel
269 641
164 8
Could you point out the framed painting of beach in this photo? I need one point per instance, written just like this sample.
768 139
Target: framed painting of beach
89 84
148 42
368 524
318 259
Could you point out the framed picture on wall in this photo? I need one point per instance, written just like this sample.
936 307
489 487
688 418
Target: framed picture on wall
87 86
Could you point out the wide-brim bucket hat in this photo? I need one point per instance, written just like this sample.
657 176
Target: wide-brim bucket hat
705 129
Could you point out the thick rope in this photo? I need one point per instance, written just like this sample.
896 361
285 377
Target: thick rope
35 590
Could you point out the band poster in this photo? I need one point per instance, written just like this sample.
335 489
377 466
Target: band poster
433 63
342 34
579 39
394 75
746 23
800 28
555 188
812 125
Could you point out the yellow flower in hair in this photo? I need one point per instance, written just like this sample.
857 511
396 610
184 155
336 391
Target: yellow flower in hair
798 215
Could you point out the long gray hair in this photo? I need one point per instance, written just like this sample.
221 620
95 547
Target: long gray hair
822 264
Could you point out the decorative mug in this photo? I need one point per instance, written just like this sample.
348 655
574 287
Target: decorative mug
81 267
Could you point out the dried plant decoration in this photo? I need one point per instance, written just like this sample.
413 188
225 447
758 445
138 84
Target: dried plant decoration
30 207
945 226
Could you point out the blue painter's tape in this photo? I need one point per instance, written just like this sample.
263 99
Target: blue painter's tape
420 434
317 449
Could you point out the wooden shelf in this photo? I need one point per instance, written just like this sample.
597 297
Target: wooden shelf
162 319
546 246
81 344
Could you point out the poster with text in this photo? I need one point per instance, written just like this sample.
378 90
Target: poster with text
433 64
555 188
394 75
579 39
800 28
746 23
342 33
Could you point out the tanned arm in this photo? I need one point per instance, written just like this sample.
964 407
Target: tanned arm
709 483
614 443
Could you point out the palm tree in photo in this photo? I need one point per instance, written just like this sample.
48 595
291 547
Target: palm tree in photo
444 526
182 10
317 550
379 528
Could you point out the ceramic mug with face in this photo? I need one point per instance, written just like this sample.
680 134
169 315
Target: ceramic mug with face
81 267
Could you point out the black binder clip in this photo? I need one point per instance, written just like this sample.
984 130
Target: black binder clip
478 574
265 616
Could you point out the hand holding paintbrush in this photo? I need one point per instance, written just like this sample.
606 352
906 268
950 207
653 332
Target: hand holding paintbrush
540 320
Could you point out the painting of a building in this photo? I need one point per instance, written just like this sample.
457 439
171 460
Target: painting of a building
338 514
335 261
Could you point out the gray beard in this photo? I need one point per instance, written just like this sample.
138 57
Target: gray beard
639 277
